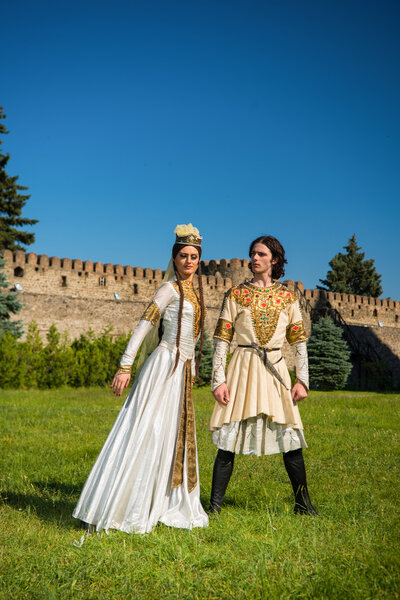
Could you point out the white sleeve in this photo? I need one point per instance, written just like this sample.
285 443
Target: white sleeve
301 359
219 363
150 318
137 337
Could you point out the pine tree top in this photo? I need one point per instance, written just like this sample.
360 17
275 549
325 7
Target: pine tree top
12 203
351 273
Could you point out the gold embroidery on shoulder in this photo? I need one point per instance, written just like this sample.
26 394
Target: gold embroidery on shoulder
295 333
152 313
265 305
191 295
224 330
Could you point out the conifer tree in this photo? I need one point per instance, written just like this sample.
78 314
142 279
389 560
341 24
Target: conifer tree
9 305
328 356
351 274
11 204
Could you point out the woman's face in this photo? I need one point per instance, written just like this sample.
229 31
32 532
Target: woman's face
187 261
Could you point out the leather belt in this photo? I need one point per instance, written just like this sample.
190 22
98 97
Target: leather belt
262 353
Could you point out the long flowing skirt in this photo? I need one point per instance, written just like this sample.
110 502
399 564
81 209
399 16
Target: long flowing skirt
130 485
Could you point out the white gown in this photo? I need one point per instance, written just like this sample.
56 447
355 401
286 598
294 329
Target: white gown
130 485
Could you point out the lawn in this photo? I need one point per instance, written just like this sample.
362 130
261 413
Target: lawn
256 548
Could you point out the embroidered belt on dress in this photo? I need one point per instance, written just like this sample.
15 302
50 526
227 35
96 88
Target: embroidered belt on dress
186 437
262 353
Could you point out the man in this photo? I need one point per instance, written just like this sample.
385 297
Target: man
256 410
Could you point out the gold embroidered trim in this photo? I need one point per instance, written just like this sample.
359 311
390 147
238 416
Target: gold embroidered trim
224 330
186 441
189 240
152 313
191 295
295 333
265 305
124 369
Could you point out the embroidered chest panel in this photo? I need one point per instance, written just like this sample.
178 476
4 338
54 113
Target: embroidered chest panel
265 306
191 295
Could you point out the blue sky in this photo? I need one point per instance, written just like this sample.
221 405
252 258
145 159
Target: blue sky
246 118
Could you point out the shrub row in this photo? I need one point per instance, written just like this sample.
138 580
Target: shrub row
89 360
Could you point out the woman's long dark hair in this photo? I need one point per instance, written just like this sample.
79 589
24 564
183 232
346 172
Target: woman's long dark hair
278 253
177 248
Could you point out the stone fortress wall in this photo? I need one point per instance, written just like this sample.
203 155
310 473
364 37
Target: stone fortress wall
77 295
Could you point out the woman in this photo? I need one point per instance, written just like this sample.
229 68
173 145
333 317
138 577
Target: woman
256 411
147 471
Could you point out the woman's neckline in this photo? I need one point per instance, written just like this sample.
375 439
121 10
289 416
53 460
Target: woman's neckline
186 282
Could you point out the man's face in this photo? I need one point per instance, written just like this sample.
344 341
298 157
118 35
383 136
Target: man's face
261 260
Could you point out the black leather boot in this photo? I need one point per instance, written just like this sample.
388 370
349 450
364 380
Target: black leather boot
296 470
223 468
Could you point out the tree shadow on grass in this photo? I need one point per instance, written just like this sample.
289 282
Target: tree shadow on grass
59 488
53 502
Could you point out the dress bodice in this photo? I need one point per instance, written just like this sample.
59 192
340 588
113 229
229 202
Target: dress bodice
165 305
190 320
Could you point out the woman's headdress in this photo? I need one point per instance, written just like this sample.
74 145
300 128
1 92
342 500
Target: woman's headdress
187 235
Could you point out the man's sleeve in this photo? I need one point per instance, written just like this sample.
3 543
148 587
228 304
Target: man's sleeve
225 326
222 338
296 335
295 331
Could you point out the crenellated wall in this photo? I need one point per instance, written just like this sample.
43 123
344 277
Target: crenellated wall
374 322
76 295
359 310
41 274
235 269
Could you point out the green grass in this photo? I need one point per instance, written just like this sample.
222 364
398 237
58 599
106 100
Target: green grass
256 549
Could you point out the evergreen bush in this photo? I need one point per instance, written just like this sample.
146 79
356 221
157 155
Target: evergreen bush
9 305
11 364
328 356
89 360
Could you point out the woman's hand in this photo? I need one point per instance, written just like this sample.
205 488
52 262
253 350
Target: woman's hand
120 382
299 392
221 394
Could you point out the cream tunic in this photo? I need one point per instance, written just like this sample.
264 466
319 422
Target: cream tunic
260 417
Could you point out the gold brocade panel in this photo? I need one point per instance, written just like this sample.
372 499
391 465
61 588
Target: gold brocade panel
152 313
265 306
295 333
186 442
224 330
191 295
